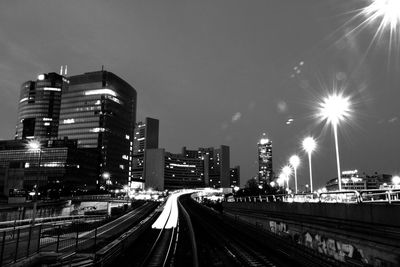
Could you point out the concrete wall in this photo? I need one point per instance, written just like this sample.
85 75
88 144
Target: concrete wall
353 233
388 215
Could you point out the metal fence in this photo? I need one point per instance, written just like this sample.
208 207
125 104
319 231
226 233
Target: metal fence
390 196
23 242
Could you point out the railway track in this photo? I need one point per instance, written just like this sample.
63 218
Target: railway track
246 245
162 250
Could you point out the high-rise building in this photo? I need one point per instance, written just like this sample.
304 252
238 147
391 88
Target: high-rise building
222 164
216 164
99 110
145 137
265 173
39 107
235 176
204 167
183 172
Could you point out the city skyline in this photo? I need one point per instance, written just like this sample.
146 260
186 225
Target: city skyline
221 73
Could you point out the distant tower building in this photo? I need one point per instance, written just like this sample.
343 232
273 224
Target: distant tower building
99 110
39 107
145 137
235 176
265 173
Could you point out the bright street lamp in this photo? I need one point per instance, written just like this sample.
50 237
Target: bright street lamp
287 171
309 146
333 109
281 179
295 162
396 180
35 147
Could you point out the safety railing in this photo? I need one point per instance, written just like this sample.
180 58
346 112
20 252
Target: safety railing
23 242
345 196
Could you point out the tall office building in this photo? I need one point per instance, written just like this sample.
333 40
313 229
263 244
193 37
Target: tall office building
183 172
145 137
99 110
39 107
222 166
265 173
204 167
217 166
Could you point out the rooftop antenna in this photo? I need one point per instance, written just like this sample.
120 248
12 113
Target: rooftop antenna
61 70
66 69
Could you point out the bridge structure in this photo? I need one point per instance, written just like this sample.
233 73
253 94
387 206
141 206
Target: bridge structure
98 198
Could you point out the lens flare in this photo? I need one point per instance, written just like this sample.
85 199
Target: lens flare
334 108
294 161
388 11
287 171
385 16
309 144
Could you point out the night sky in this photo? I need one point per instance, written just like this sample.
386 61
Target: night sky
222 72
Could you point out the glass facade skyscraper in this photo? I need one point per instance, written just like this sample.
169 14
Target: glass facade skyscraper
39 107
99 110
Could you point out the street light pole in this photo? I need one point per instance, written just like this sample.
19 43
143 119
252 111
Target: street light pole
337 157
309 146
333 109
295 161
287 171
309 166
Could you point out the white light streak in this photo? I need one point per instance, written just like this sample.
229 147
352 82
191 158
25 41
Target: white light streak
182 165
97 130
52 89
169 215
101 92
68 121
